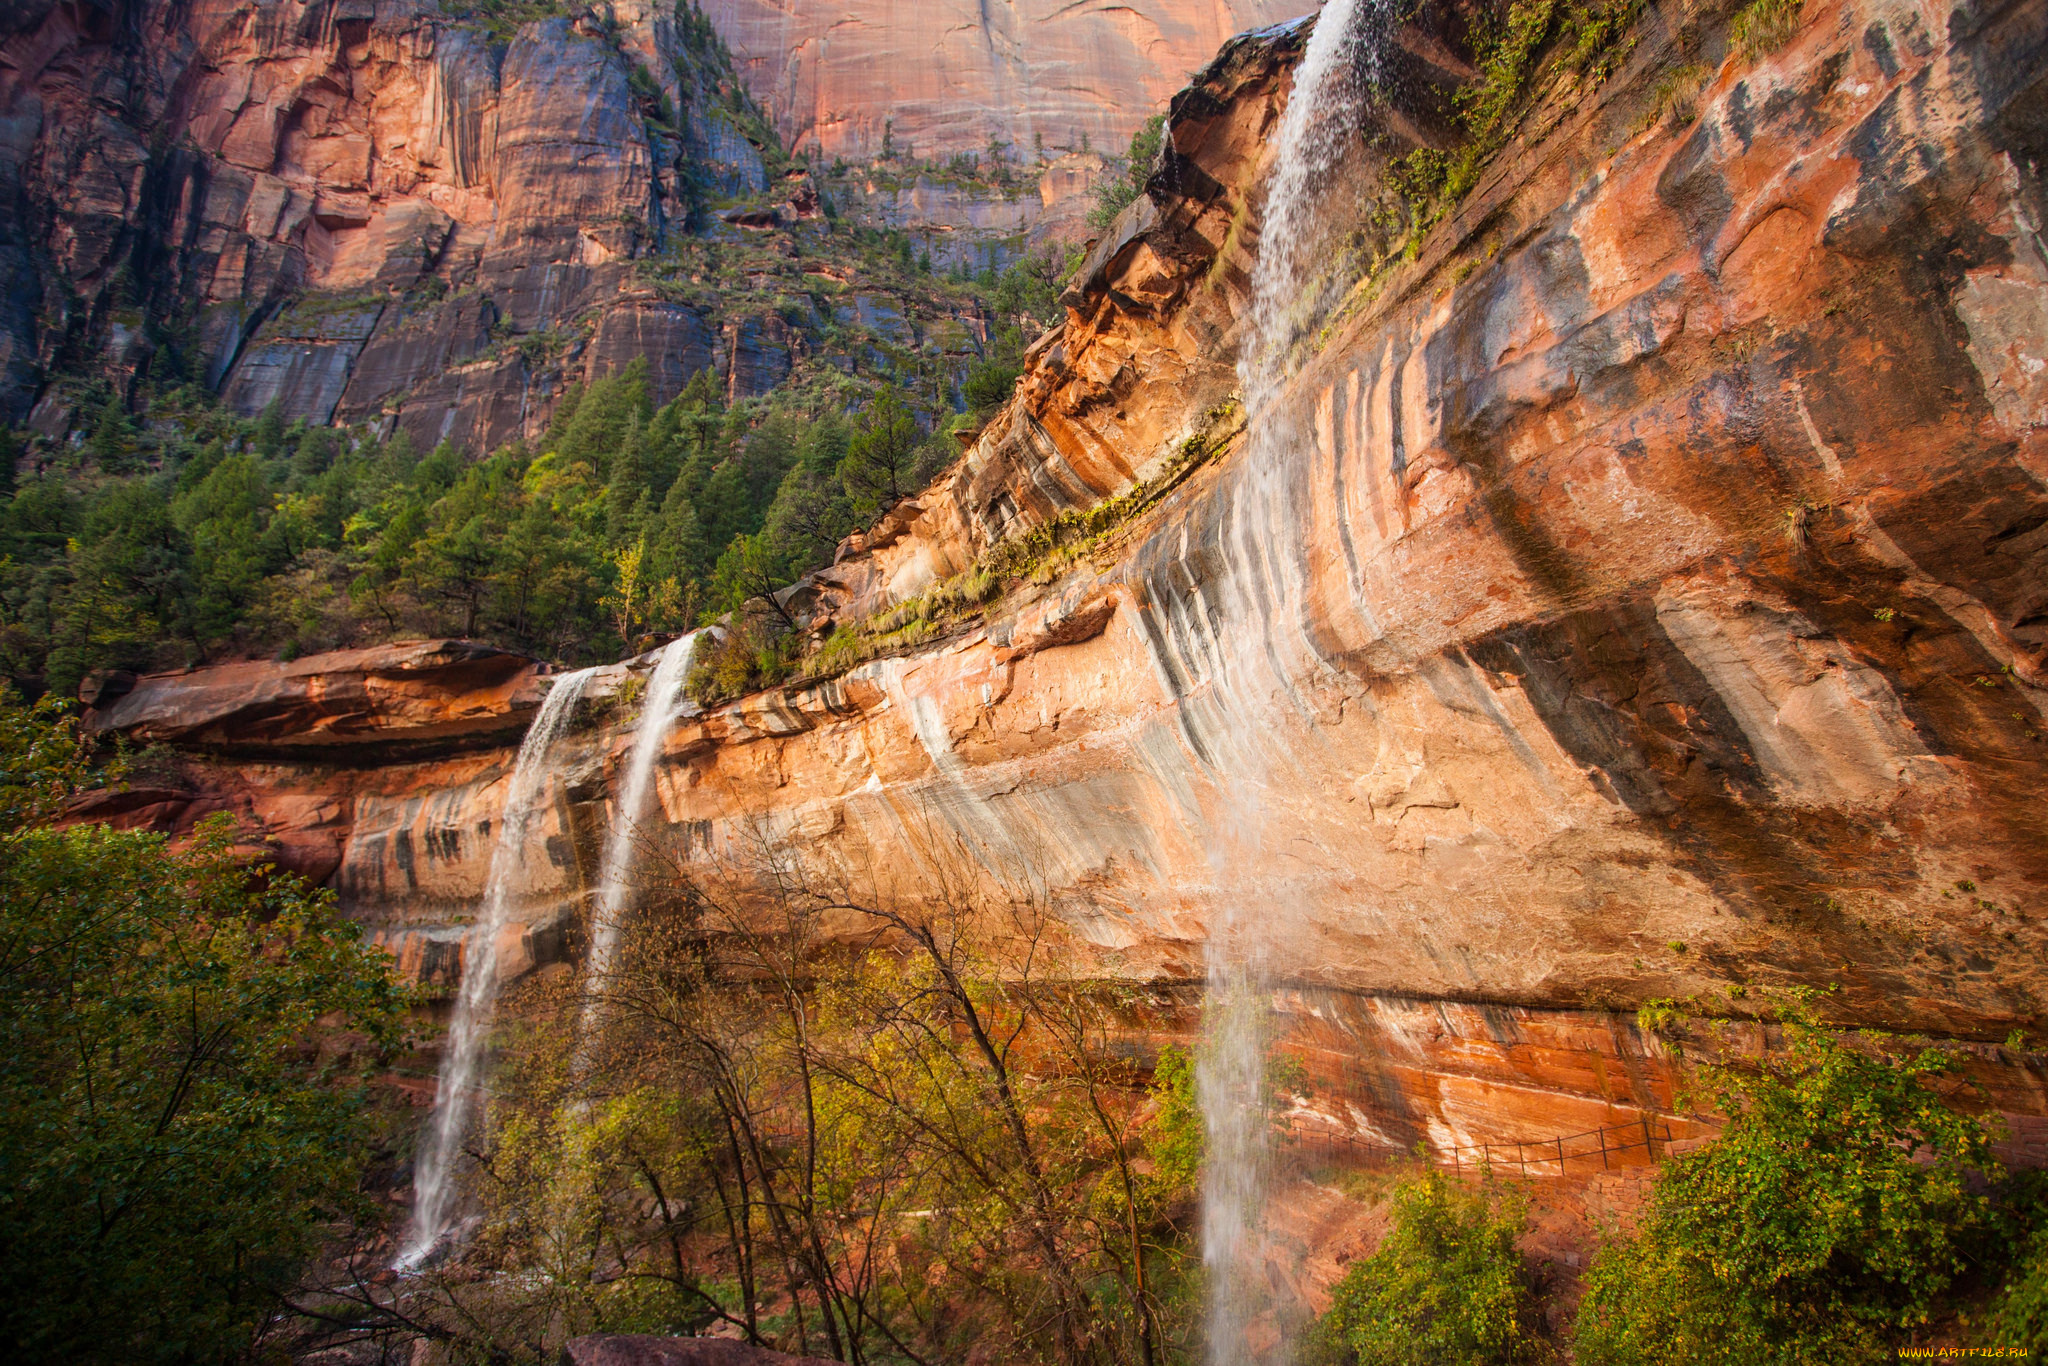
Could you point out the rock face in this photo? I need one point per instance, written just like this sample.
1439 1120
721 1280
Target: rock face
1646 598
948 76
356 208
374 211
382 698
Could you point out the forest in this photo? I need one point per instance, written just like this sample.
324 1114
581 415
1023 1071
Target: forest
199 535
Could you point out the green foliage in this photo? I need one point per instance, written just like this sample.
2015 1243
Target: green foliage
1176 1137
1126 180
181 1112
1583 41
268 536
1834 1209
877 469
1028 292
990 386
1445 1288
2019 1317
501 19
1764 26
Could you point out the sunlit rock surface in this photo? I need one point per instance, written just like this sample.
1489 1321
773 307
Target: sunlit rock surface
355 204
948 76
1652 598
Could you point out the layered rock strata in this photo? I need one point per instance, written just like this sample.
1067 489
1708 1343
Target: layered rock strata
1647 602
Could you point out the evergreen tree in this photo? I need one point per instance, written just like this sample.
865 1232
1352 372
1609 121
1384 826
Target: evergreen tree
877 468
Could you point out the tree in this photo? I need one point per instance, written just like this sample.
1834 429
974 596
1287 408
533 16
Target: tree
130 582
183 1049
1121 188
112 444
1810 1231
990 385
876 470
225 513
639 598
751 571
1445 1288
458 557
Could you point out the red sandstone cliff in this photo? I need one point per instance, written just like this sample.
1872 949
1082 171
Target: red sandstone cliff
1652 597
361 210
947 76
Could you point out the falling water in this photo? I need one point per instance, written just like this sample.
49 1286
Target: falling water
434 1200
1292 291
615 877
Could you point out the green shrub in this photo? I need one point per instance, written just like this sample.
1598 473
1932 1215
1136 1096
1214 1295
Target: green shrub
1446 1288
2019 1318
1587 38
1822 1224
1124 183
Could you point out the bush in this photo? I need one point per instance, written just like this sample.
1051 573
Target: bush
1446 1288
1124 183
182 1118
1821 1225
2020 1316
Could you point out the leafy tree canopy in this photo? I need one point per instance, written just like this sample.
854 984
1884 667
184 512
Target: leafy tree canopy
182 1047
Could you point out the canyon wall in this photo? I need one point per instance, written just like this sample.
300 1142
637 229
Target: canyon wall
385 213
357 210
949 76
1645 598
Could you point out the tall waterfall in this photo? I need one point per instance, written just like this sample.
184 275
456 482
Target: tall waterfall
433 1185
615 877
1292 292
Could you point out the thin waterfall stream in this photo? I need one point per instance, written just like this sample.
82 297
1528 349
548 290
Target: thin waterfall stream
1293 291
663 700
434 1185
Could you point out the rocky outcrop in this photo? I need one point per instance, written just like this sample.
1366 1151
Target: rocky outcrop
946 76
1644 598
378 700
1644 605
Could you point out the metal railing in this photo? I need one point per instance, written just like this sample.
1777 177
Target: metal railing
1601 1149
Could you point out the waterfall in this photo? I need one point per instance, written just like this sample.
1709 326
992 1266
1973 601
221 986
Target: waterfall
433 1186
1292 292
615 876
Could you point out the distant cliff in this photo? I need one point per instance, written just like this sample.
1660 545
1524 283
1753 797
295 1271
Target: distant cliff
947 76
415 216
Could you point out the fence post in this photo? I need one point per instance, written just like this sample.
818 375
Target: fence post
1649 1143
1602 1131
1560 1157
